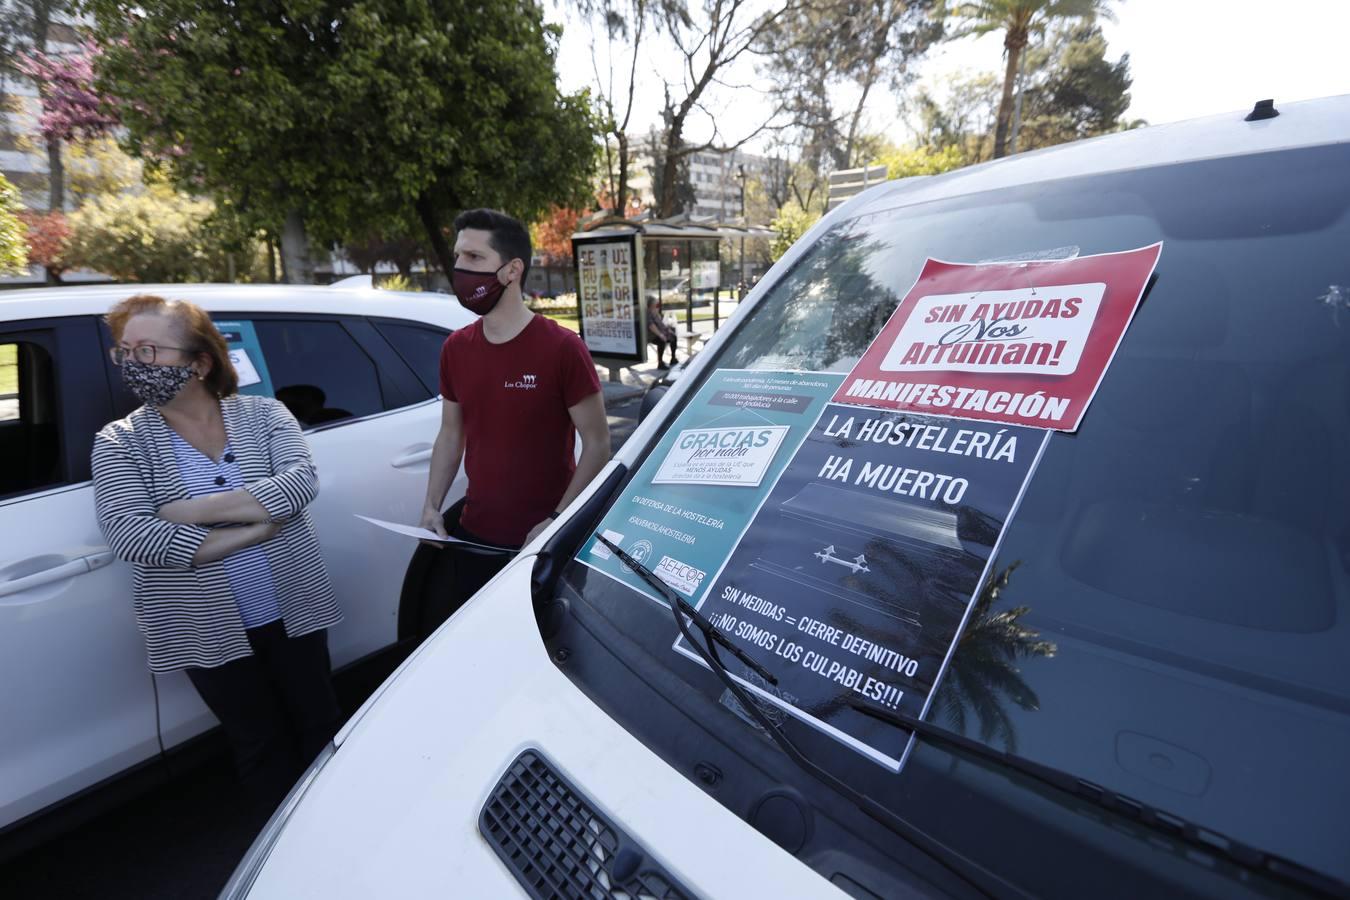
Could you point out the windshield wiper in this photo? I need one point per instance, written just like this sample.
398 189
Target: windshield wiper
1207 839
710 631
974 874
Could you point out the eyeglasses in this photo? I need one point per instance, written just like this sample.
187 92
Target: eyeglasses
144 353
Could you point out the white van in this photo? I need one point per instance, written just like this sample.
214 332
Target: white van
999 545
79 710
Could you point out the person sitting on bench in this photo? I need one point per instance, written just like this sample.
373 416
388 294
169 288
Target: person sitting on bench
659 332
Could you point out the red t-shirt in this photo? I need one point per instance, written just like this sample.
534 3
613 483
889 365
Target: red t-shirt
519 440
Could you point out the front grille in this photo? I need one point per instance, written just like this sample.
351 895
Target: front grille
558 846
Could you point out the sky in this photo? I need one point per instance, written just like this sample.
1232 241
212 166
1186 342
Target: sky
1188 58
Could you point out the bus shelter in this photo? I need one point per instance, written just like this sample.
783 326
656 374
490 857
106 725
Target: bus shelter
627 268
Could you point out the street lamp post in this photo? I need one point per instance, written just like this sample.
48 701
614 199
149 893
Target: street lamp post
745 224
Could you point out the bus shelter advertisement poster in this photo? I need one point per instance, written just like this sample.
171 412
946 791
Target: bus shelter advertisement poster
1025 343
609 315
847 563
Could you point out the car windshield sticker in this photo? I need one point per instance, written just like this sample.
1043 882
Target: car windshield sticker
247 357
842 548
1025 342
698 490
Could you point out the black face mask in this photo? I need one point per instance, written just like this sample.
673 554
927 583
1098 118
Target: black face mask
155 385
478 292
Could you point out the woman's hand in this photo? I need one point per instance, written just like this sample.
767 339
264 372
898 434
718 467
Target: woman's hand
223 542
180 512
230 506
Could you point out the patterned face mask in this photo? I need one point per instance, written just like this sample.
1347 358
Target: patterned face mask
155 385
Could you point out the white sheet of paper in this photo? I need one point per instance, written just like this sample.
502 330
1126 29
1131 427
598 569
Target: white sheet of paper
425 534
248 374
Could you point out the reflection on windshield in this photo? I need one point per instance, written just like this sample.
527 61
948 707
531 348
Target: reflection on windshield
833 308
984 673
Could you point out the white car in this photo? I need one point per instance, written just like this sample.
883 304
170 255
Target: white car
358 367
1106 661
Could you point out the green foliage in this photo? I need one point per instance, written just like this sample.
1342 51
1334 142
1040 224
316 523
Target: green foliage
903 163
791 223
1019 20
13 234
397 283
355 113
1072 91
99 167
819 52
964 118
157 235
9 369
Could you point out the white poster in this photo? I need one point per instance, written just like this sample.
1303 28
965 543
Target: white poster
1029 331
243 366
737 457
605 288
707 275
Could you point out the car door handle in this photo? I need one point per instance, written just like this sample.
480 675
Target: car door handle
59 572
415 455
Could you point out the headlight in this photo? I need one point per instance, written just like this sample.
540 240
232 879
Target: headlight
241 882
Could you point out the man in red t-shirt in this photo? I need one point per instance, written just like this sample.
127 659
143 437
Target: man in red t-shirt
515 389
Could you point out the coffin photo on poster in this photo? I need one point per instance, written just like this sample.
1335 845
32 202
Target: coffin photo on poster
1023 342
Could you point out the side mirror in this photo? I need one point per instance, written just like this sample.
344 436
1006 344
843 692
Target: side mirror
651 398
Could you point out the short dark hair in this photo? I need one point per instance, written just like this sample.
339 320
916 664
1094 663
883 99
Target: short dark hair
507 235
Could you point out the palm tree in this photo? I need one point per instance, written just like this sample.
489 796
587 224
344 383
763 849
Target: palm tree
1018 20
984 669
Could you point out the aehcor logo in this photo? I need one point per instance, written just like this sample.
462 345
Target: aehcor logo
526 383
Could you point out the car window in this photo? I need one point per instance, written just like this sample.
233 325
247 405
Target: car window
420 348
9 382
30 439
1169 612
318 370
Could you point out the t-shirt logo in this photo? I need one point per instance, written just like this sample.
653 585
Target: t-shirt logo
526 383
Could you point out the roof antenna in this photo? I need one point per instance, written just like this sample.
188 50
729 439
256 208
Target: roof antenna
1264 109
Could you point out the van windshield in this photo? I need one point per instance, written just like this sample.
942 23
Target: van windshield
1167 613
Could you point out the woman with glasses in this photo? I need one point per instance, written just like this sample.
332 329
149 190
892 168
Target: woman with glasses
204 491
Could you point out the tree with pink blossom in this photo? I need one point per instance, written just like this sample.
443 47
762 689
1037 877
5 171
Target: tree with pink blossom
72 110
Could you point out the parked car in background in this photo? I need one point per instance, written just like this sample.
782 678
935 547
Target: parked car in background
358 368
1143 693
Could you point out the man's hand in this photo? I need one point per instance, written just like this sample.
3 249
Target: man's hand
433 520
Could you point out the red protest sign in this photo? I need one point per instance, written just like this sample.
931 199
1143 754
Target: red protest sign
1019 342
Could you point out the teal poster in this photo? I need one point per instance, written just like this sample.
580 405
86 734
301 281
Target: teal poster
246 354
688 505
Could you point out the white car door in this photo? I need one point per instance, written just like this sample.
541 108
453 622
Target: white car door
370 422
77 703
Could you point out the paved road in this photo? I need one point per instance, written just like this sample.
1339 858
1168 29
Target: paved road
182 840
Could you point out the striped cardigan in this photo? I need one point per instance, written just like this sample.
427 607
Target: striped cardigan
187 613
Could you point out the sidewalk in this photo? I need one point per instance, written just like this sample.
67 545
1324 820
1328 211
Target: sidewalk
636 380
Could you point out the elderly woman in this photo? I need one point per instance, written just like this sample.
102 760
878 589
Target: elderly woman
204 491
